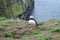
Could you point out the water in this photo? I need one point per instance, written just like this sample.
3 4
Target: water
46 9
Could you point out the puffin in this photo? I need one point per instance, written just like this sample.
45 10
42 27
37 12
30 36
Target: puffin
32 22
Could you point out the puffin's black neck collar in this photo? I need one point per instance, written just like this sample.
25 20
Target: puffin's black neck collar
31 19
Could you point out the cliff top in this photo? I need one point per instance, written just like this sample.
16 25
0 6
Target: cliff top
11 29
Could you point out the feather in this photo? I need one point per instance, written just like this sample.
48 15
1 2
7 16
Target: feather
32 22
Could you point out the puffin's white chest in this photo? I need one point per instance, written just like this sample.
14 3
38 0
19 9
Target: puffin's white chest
32 22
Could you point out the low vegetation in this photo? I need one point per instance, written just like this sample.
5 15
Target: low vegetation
34 32
2 18
39 23
44 37
18 29
51 28
25 38
1 28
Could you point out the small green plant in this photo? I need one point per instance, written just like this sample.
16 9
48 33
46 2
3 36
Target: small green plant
2 18
55 29
9 34
44 37
39 23
25 38
34 32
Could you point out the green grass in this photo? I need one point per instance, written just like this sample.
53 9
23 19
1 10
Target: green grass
7 22
51 28
39 23
34 32
1 28
2 18
10 34
11 21
44 37
58 21
4 24
55 29
25 38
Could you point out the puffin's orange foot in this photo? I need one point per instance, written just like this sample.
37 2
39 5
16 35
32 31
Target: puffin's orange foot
30 28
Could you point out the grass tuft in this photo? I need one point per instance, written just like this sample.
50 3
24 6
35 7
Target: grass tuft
44 37
34 32
25 38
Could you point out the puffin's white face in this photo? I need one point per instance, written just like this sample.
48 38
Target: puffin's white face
31 17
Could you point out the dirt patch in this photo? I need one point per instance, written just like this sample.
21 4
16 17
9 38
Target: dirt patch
46 32
49 23
56 36
4 38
